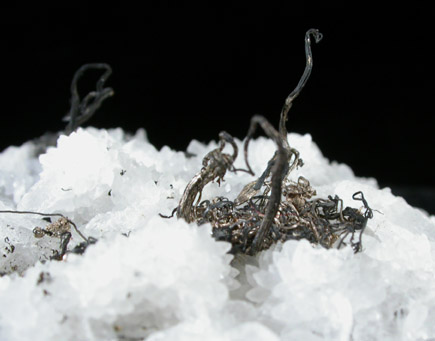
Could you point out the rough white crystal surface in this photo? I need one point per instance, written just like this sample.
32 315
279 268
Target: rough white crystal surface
149 277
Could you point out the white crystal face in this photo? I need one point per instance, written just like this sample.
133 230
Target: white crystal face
164 279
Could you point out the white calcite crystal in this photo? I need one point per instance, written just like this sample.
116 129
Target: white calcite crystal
163 279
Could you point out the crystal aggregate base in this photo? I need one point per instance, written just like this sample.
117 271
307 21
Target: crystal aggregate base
164 279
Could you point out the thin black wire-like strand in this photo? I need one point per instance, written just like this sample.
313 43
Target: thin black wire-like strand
277 171
215 165
283 117
308 67
81 111
48 215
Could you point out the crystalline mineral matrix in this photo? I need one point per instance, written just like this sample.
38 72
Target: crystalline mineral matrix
160 279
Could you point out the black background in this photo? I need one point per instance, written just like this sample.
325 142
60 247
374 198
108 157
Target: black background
188 73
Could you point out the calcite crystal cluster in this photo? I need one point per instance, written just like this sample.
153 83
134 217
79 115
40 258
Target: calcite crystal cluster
165 279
